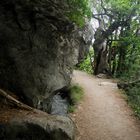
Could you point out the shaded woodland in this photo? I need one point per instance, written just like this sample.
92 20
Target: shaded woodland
42 41
116 44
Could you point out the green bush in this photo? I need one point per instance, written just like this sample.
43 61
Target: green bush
79 10
86 64
71 108
75 94
133 94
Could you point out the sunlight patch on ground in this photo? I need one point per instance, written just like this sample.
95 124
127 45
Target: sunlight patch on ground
108 84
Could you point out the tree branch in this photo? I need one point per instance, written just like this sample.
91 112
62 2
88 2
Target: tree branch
94 16
15 101
128 84
114 26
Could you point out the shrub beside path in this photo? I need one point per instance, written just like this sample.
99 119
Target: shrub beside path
103 114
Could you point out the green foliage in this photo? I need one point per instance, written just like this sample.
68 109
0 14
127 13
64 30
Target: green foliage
71 108
132 60
132 73
133 94
86 64
121 7
79 10
76 94
124 52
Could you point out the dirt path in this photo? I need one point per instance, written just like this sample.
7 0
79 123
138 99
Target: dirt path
103 114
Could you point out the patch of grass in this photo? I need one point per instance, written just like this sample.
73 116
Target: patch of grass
71 108
76 94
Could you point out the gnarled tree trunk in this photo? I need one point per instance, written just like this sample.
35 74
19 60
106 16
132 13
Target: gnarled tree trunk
100 53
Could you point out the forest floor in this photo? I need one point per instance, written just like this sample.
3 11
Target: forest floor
103 114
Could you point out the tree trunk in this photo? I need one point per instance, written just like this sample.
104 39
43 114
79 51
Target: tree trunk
91 61
100 53
100 49
114 66
110 56
100 63
121 61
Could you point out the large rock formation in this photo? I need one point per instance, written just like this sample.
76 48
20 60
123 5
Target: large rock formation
86 36
38 48
37 125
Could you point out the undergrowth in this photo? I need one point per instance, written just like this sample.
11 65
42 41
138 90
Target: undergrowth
76 94
133 94
86 64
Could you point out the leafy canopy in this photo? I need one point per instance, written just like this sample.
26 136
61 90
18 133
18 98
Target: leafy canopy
79 10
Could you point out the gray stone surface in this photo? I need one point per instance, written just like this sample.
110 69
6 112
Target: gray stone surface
38 127
58 106
38 48
86 37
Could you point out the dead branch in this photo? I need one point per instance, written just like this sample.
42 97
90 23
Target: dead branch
15 101
125 85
